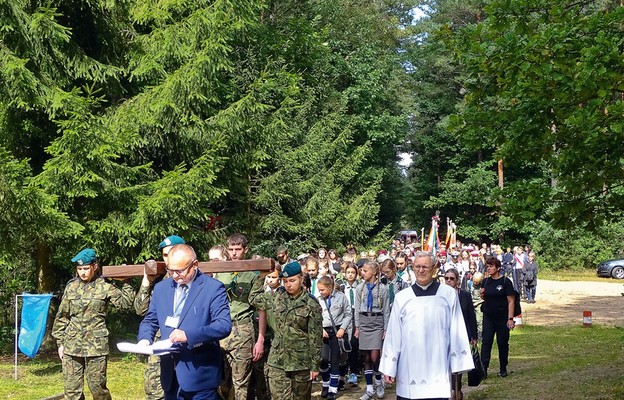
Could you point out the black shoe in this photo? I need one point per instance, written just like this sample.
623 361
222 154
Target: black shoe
503 374
331 396
324 392
341 385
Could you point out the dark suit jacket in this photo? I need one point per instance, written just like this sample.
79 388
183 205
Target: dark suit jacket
205 319
470 318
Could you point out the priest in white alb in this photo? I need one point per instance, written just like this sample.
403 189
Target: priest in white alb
426 339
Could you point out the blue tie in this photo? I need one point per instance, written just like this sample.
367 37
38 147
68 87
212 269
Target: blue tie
369 298
182 293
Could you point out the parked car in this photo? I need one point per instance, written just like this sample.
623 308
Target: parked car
611 268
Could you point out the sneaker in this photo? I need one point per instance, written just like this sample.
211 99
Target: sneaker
352 379
367 396
324 392
380 392
331 396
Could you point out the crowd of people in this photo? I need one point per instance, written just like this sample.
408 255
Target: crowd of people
400 316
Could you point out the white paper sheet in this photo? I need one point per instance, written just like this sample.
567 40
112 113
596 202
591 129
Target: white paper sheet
159 348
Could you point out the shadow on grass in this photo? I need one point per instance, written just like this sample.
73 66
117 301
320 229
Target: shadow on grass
47 370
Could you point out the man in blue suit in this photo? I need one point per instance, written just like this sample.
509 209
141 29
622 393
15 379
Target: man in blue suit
192 310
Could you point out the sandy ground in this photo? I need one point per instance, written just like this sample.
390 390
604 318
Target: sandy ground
563 303
557 303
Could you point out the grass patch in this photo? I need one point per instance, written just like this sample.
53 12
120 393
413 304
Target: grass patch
566 362
43 377
587 275
558 363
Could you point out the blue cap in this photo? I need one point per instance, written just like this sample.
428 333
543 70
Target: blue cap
171 241
85 257
290 269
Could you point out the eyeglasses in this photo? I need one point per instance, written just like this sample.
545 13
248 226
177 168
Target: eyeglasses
182 271
449 278
421 268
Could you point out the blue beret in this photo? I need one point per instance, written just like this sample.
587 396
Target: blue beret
85 257
290 269
171 241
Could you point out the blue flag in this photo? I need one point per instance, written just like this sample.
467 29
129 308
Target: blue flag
34 318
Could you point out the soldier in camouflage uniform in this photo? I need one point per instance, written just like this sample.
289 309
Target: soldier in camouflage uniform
259 389
80 327
241 348
151 378
295 355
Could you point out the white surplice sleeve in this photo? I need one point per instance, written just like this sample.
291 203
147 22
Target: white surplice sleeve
391 351
461 356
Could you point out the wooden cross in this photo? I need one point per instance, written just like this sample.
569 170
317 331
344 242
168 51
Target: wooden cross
153 267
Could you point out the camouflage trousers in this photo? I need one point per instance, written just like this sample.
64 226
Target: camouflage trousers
237 353
75 369
290 385
151 379
259 384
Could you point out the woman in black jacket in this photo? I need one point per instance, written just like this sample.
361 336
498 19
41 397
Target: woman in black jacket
451 278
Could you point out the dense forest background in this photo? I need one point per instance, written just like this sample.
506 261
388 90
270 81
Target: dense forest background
124 121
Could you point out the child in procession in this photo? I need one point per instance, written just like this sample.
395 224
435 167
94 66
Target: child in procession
350 286
336 322
372 311
391 279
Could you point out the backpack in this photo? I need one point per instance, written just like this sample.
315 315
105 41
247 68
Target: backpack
517 307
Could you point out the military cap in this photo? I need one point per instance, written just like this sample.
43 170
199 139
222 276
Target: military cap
85 257
171 241
290 269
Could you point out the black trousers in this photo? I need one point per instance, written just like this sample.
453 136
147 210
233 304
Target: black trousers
330 353
354 357
498 327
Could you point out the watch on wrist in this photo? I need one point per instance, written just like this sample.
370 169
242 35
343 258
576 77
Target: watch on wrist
511 319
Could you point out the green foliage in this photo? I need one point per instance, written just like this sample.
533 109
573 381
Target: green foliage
545 78
575 249
123 122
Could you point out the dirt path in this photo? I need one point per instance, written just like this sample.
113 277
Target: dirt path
563 303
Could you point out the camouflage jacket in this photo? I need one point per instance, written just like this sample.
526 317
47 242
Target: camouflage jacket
142 299
244 291
298 332
80 323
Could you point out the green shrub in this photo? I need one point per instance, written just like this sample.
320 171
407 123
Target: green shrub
574 249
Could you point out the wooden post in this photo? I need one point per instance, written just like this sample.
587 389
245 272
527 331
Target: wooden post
158 267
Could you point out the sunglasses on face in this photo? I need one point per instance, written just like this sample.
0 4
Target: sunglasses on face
449 278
